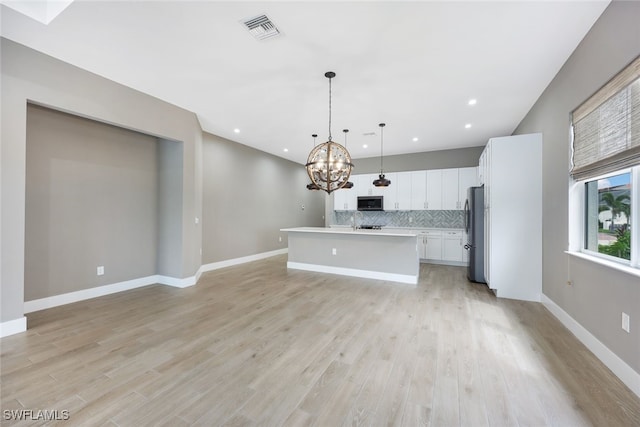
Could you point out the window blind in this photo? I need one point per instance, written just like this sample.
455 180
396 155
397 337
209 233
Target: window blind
606 127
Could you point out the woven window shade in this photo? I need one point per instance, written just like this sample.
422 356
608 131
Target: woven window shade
607 127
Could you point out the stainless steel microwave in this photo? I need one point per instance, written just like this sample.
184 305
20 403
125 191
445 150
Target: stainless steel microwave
370 203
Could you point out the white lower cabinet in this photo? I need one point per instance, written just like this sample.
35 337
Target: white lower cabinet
430 245
452 246
442 247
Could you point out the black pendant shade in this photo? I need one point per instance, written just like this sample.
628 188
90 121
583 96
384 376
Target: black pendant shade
381 181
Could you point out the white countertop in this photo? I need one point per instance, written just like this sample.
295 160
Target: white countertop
349 230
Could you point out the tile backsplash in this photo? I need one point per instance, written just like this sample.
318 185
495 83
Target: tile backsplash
417 219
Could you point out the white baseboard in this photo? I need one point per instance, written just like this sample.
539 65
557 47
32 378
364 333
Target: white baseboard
626 373
443 262
401 278
235 261
175 282
11 327
68 298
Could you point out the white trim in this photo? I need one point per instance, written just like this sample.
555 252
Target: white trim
12 327
618 366
603 261
84 294
176 282
367 274
444 262
241 260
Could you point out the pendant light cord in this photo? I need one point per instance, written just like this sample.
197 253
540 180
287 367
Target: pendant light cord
381 144
329 109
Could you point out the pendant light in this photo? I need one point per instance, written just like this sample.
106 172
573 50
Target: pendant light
349 184
381 181
311 185
329 164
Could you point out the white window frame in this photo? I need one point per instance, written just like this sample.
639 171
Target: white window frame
577 224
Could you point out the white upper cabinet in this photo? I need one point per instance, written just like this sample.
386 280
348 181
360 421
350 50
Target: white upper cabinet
454 186
389 193
434 189
404 191
467 177
346 199
482 167
397 196
363 185
418 190
450 189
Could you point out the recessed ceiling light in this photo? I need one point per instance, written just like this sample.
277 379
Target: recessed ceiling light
467 126
473 101
286 150
364 146
236 130
415 139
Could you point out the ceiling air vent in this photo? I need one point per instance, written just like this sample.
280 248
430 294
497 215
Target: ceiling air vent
261 27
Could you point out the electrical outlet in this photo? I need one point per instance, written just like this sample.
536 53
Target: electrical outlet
625 322
100 270
280 239
334 251
410 220
302 207
197 220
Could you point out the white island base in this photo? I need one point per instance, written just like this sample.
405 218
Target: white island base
372 254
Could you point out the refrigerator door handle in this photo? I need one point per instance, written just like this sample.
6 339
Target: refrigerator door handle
467 212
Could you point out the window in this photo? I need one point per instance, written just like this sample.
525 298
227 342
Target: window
605 198
608 216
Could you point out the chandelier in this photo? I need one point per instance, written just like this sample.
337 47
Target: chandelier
329 164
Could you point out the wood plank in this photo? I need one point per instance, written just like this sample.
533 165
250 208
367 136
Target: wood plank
256 344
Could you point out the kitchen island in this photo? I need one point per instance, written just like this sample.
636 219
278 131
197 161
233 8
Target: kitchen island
373 254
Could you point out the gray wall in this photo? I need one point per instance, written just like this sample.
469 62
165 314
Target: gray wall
248 197
599 294
169 207
91 200
30 76
441 159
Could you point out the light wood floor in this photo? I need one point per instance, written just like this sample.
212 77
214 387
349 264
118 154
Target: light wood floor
259 345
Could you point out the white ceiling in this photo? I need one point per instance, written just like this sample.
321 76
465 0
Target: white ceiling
413 65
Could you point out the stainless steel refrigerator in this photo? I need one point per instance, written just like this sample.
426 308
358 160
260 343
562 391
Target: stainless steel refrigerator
474 228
